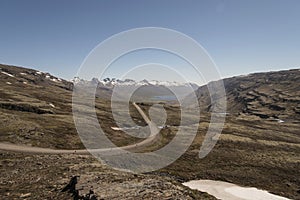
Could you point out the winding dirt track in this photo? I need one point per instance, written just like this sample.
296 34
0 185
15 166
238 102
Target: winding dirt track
37 150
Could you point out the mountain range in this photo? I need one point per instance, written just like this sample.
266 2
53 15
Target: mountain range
145 90
259 144
111 82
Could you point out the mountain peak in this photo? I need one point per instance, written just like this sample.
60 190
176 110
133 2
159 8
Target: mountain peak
110 82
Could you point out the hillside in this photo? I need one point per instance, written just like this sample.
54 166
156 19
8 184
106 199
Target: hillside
259 145
36 109
271 95
260 141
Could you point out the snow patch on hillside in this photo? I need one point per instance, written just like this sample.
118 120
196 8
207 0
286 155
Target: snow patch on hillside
8 74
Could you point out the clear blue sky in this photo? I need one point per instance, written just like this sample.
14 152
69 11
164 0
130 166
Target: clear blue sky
241 36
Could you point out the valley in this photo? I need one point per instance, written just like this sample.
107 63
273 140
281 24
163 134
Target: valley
259 145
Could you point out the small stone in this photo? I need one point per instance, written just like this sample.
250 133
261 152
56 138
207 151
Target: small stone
25 195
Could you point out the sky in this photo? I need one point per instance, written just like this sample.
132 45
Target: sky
241 37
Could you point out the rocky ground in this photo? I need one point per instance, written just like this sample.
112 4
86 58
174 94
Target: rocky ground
36 110
259 145
26 176
251 152
270 95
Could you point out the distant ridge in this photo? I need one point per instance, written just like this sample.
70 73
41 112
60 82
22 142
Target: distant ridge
268 95
110 82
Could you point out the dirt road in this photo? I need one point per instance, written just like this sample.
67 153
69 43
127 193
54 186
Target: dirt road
37 150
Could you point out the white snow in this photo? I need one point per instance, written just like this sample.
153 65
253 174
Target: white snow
47 76
167 83
154 82
51 104
25 82
140 83
228 191
277 120
24 74
7 74
223 113
124 128
54 79
9 83
130 82
76 80
39 73
252 193
115 128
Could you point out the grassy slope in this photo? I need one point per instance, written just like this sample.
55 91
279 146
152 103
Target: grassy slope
252 151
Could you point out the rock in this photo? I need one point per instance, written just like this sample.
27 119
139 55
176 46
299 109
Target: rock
27 137
276 107
25 195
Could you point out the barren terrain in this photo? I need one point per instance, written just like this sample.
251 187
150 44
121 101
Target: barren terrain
259 145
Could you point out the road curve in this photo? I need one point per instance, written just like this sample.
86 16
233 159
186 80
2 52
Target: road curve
38 150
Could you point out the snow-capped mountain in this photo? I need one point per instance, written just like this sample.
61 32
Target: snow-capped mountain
144 89
111 82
